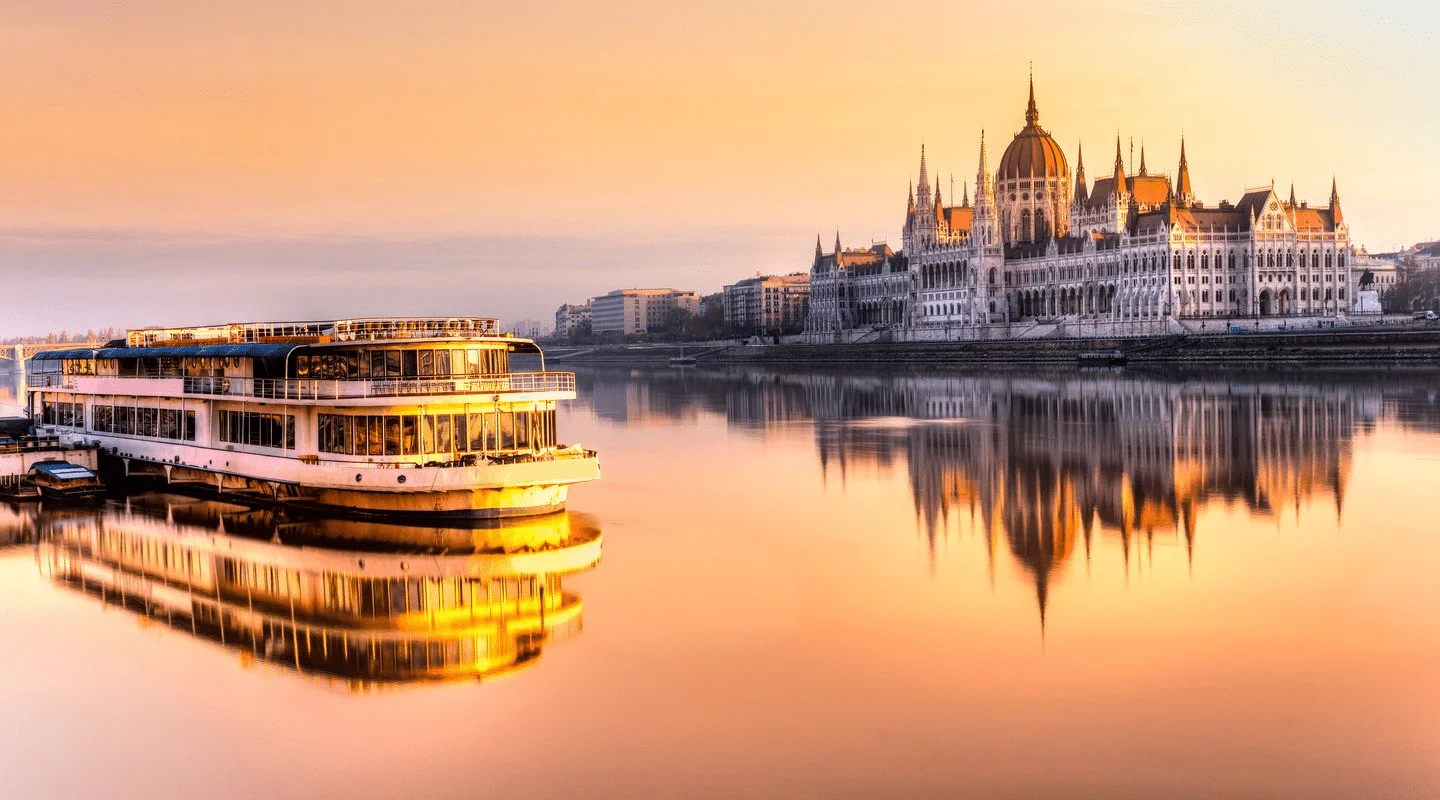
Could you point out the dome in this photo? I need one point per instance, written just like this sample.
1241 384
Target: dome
1033 152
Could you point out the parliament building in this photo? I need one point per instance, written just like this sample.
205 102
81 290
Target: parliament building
1042 250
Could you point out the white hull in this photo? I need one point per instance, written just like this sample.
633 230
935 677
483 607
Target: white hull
486 490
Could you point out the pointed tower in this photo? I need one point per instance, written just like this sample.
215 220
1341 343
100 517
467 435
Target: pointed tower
1143 171
1293 205
1184 195
923 189
1032 114
985 222
939 208
1335 203
965 203
819 254
1082 193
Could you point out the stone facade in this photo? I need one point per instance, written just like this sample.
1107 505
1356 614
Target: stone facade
1038 251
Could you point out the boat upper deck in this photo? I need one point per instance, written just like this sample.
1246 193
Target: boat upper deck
369 329
342 360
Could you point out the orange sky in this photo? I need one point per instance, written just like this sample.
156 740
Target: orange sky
646 121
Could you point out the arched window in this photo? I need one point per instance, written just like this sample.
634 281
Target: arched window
1025 230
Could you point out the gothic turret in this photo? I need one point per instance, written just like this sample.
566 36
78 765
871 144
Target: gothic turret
1143 171
1184 195
1335 203
1119 171
1082 193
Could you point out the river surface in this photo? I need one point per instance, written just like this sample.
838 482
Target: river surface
787 584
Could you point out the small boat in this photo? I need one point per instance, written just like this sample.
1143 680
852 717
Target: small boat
683 361
61 480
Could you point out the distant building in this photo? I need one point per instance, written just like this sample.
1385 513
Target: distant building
710 302
768 304
857 288
632 312
571 319
528 328
1425 255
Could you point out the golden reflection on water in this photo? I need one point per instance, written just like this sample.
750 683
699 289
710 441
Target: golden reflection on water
843 583
1045 467
367 604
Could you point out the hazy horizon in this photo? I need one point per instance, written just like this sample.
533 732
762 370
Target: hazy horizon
542 155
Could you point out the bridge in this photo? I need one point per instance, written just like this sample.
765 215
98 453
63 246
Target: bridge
20 352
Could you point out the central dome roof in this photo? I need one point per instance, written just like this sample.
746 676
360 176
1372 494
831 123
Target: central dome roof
1033 152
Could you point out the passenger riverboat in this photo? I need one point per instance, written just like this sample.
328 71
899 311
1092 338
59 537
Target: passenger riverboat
373 416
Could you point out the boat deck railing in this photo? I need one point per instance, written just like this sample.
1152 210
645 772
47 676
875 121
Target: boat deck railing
292 389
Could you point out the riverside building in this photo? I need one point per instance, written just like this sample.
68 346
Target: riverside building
632 312
1044 251
767 303
382 416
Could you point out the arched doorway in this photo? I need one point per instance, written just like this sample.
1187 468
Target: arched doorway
1285 302
1265 309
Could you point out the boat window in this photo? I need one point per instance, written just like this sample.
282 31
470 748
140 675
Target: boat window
427 363
253 428
477 432
462 440
472 362
408 367
427 434
409 436
442 363
443 441
302 367
377 436
392 436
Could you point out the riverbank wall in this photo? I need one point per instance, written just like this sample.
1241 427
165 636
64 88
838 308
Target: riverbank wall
1373 346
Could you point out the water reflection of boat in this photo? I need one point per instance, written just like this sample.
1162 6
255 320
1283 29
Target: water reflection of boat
261 583
17 524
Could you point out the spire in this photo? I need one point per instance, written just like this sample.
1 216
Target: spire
1335 202
1293 205
837 247
1032 114
1081 194
910 201
965 203
939 205
818 251
1182 181
1120 186
984 182
924 185
1143 170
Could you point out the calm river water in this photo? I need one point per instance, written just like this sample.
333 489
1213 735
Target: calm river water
825 584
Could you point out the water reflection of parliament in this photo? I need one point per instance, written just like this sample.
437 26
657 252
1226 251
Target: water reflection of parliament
364 603
1044 464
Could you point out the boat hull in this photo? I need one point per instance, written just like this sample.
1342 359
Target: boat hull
482 491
